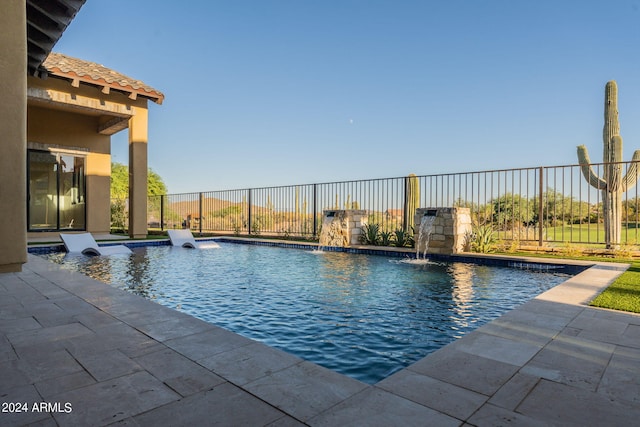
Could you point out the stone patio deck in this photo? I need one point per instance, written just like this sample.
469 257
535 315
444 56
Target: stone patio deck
100 356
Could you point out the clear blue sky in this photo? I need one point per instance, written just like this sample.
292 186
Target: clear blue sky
277 92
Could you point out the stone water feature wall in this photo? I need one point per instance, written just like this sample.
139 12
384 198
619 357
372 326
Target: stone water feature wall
342 228
448 230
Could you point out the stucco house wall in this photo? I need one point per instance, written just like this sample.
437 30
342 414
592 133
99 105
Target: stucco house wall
13 128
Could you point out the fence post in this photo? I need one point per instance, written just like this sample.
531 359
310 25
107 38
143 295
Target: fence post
315 212
162 212
541 207
200 209
249 212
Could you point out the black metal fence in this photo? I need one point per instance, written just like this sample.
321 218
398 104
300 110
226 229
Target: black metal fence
528 205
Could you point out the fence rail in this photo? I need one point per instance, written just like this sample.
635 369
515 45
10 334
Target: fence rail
536 205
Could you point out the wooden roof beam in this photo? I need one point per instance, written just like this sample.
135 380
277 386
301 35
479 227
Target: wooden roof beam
114 125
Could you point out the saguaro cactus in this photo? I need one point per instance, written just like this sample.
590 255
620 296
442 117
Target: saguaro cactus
411 200
612 183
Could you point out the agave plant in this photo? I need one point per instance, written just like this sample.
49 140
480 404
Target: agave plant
483 239
402 238
385 238
370 234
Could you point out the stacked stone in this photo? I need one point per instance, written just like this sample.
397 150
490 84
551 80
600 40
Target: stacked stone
449 230
342 228
356 219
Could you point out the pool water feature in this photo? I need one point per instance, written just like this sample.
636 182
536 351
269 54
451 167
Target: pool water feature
424 235
341 228
334 230
363 316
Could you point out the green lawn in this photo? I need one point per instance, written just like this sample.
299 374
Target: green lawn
624 293
577 234
588 233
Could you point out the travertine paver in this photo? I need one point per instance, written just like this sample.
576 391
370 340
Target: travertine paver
518 330
581 289
12 377
21 394
491 416
466 370
118 359
631 336
305 390
179 372
225 405
378 408
137 313
442 396
573 361
542 314
599 329
17 325
511 351
561 404
94 318
621 379
109 337
208 343
58 385
47 336
514 391
10 308
38 365
50 314
113 400
247 363
175 328
108 364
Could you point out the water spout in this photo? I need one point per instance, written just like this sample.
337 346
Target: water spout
424 234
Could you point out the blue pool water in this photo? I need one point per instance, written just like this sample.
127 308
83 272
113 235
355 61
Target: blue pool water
363 316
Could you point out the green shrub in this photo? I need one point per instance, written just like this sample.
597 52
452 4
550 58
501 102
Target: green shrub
483 239
118 214
403 238
386 238
370 234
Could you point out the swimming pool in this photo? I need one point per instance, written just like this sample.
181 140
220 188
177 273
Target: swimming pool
361 315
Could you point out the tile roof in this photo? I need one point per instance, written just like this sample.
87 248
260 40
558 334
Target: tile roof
78 70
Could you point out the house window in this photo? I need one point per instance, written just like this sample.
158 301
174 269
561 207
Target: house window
56 191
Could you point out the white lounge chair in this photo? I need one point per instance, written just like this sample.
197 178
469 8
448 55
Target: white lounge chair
86 244
185 239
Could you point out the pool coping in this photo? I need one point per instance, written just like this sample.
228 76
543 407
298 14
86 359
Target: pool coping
553 360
